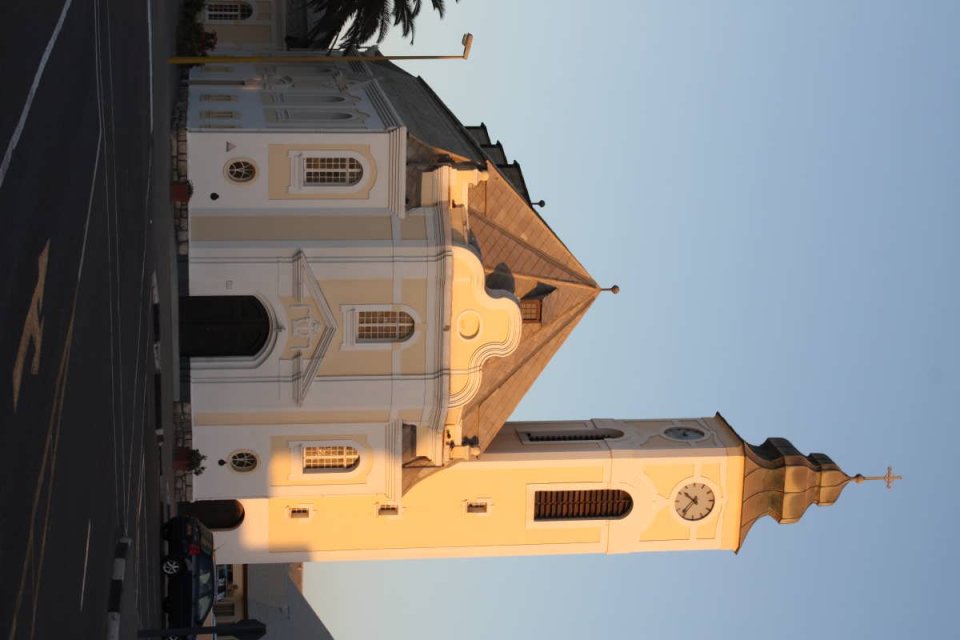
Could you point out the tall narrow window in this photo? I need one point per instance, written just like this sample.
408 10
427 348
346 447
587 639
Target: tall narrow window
579 435
384 326
330 458
331 171
219 115
223 326
583 504
228 11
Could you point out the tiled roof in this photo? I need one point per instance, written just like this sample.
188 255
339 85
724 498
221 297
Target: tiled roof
521 254
519 251
423 113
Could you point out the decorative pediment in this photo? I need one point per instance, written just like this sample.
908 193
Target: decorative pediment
483 324
312 326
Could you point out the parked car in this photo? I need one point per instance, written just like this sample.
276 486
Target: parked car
189 567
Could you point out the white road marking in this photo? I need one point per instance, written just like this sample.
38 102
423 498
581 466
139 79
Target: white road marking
149 310
18 131
32 328
150 58
86 557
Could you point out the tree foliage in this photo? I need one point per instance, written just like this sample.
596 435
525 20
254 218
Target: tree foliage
369 18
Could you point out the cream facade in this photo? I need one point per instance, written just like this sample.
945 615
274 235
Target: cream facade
488 506
371 294
301 209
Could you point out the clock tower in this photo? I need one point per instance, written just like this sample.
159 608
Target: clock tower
589 486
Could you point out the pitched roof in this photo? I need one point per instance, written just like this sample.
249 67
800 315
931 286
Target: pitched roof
519 251
521 254
423 113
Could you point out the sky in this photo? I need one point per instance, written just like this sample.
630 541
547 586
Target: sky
775 186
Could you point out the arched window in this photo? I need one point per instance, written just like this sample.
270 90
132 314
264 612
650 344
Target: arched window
323 171
578 435
384 326
222 326
323 459
583 504
228 11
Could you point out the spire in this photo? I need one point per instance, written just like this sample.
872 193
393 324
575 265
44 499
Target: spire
782 483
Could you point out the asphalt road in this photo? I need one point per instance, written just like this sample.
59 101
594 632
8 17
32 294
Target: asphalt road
85 231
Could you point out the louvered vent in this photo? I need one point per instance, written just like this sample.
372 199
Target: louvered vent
587 504
585 435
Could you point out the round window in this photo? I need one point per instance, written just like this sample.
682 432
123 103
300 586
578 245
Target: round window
685 434
243 461
241 171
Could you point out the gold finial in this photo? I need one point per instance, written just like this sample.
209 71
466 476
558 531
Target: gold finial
888 477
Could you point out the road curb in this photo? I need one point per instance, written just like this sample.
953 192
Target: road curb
116 588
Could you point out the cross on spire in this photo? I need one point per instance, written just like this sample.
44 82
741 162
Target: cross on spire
888 478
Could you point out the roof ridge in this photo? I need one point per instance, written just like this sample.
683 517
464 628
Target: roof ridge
461 128
546 257
529 206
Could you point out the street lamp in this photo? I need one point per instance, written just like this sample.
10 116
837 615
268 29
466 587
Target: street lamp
467 42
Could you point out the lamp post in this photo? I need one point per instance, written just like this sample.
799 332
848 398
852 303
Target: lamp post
467 42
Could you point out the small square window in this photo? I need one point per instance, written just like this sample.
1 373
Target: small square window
477 507
531 310
299 512
388 510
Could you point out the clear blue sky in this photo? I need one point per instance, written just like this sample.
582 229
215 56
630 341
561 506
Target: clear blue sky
776 188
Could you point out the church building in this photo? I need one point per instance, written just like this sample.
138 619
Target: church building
371 294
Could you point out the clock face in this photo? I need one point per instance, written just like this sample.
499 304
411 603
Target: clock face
694 501
686 434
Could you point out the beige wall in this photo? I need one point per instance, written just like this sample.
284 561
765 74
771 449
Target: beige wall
433 520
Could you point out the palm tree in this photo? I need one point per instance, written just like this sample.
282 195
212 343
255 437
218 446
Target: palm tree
367 18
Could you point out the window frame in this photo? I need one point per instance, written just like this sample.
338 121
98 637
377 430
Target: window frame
216 8
595 491
298 167
351 327
531 303
248 161
297 464
243 452
219 114
525 434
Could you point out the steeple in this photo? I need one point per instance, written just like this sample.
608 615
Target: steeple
781 482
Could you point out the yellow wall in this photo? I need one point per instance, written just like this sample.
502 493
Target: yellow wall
433 514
